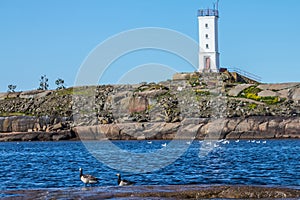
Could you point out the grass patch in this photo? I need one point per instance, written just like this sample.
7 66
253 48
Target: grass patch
271 100
252 106
253 96
252 93
68 91
150 87
13 114
194 81
202 93
80 91
252 90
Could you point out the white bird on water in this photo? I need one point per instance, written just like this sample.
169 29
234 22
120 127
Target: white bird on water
225 142
164 145
87 179
216 145
149 142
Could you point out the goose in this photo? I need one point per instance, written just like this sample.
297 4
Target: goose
87 179
123 182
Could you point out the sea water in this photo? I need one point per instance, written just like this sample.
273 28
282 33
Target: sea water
37 165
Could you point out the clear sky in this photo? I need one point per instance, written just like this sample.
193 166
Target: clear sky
53 37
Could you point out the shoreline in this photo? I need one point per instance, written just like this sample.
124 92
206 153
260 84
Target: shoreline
71 136
26 137
133 140
158 192
250 128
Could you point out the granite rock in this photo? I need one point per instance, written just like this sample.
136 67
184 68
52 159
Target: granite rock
238 89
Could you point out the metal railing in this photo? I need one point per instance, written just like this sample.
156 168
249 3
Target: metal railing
245 73
208 12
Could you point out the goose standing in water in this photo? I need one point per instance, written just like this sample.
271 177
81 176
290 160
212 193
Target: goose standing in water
87 179
123 182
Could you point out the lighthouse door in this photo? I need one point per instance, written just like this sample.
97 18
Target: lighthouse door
207 63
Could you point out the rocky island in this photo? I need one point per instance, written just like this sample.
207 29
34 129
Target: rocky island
193 105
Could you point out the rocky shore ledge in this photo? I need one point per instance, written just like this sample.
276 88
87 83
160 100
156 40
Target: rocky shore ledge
157 192
198 106
229 128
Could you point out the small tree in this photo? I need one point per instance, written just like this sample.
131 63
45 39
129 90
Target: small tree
11 88
60 84
43 83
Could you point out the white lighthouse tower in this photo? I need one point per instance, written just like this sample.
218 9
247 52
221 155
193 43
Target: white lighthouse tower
208 40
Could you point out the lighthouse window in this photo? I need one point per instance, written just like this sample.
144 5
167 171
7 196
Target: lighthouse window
206 25
206 36
207 46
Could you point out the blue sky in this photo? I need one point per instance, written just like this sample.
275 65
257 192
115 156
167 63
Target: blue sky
54 37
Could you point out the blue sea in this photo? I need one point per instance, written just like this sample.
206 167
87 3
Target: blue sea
38 165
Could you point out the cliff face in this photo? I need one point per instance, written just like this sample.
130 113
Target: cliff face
183 108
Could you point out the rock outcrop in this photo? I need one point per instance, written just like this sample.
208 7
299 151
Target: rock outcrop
233 128
189 106
159 192
38 136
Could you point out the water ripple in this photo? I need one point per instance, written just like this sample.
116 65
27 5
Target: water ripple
31 165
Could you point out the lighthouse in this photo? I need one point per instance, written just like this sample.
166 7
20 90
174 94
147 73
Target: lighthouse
208 40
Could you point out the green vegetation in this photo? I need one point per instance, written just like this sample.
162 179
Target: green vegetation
202 92
271 100
79 91
68 91
164 95
252 93
252 90
252 106
150 107
84 92
60 84
194 81
11 88
253 96
14 114
151 86
43 83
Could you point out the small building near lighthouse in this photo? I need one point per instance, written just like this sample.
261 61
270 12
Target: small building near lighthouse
208 40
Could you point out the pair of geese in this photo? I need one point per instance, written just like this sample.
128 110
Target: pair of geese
89 179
